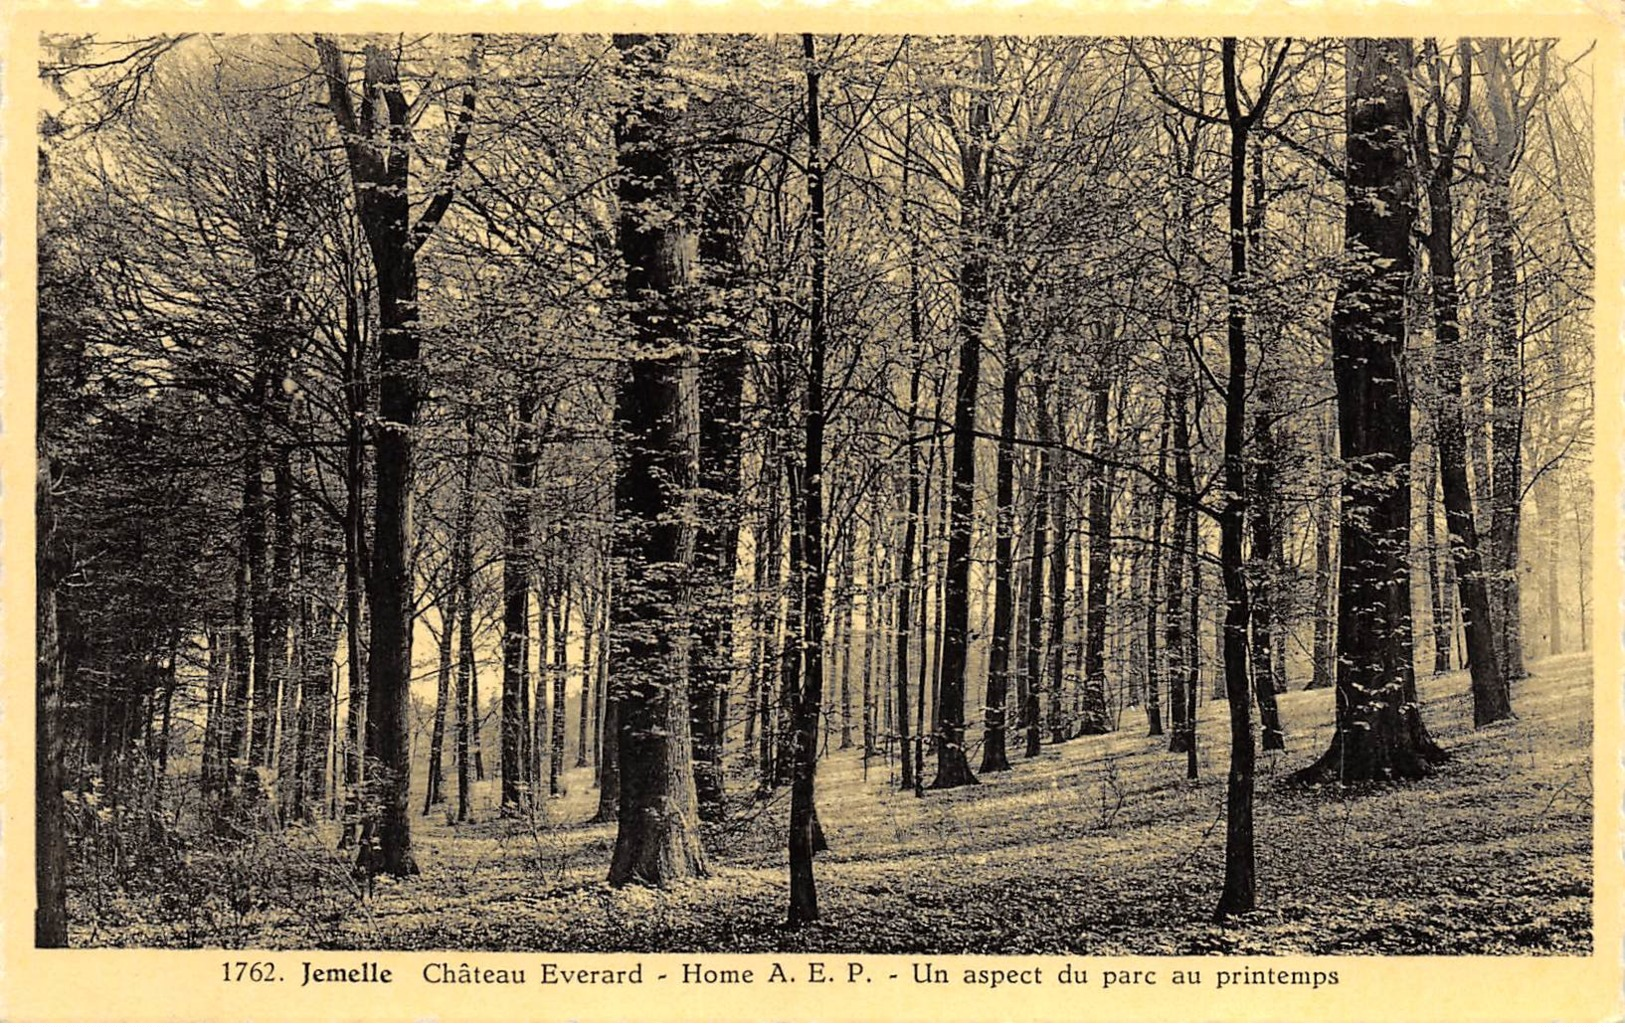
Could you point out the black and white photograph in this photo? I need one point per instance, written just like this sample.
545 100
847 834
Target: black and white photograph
816 492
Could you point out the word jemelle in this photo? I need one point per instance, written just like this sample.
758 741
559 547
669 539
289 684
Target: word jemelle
368 972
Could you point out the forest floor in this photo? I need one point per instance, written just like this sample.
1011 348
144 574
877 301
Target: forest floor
1100 846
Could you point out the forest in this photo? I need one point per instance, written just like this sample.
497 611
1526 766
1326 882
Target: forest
814 492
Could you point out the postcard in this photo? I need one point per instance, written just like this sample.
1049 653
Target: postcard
759 512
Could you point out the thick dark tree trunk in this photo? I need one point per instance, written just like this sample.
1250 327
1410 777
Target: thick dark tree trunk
1379 733
1498 142
1506 431
975 159
809 696
656 412
389 670
381 173
1239 889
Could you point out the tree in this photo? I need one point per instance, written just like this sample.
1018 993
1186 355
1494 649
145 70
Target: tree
656 414
722 380
808 698
1379 734
50 837
380 169
1437 153
976 171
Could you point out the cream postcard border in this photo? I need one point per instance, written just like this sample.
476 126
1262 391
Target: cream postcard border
102 984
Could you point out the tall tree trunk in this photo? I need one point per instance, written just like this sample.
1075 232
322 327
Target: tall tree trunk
284 683
1549 500
1153 590
845 600
355 560
1492 700
809 697
534 711
994 757
656 412
722 379
1443 627
1031 713
1096 717
442 698
316 703
1264 560
1506 373
1179 739
458 588
1193 639
589 629
250 663
791 654
1322 674
52 566
975 159
517 545
911 526
1238 895
381 173
609 764
468 679
603 738
250 540
211 773
560 673
1055 648
872 634
1379 732
770 598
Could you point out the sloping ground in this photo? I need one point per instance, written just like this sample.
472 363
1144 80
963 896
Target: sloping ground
1098 846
